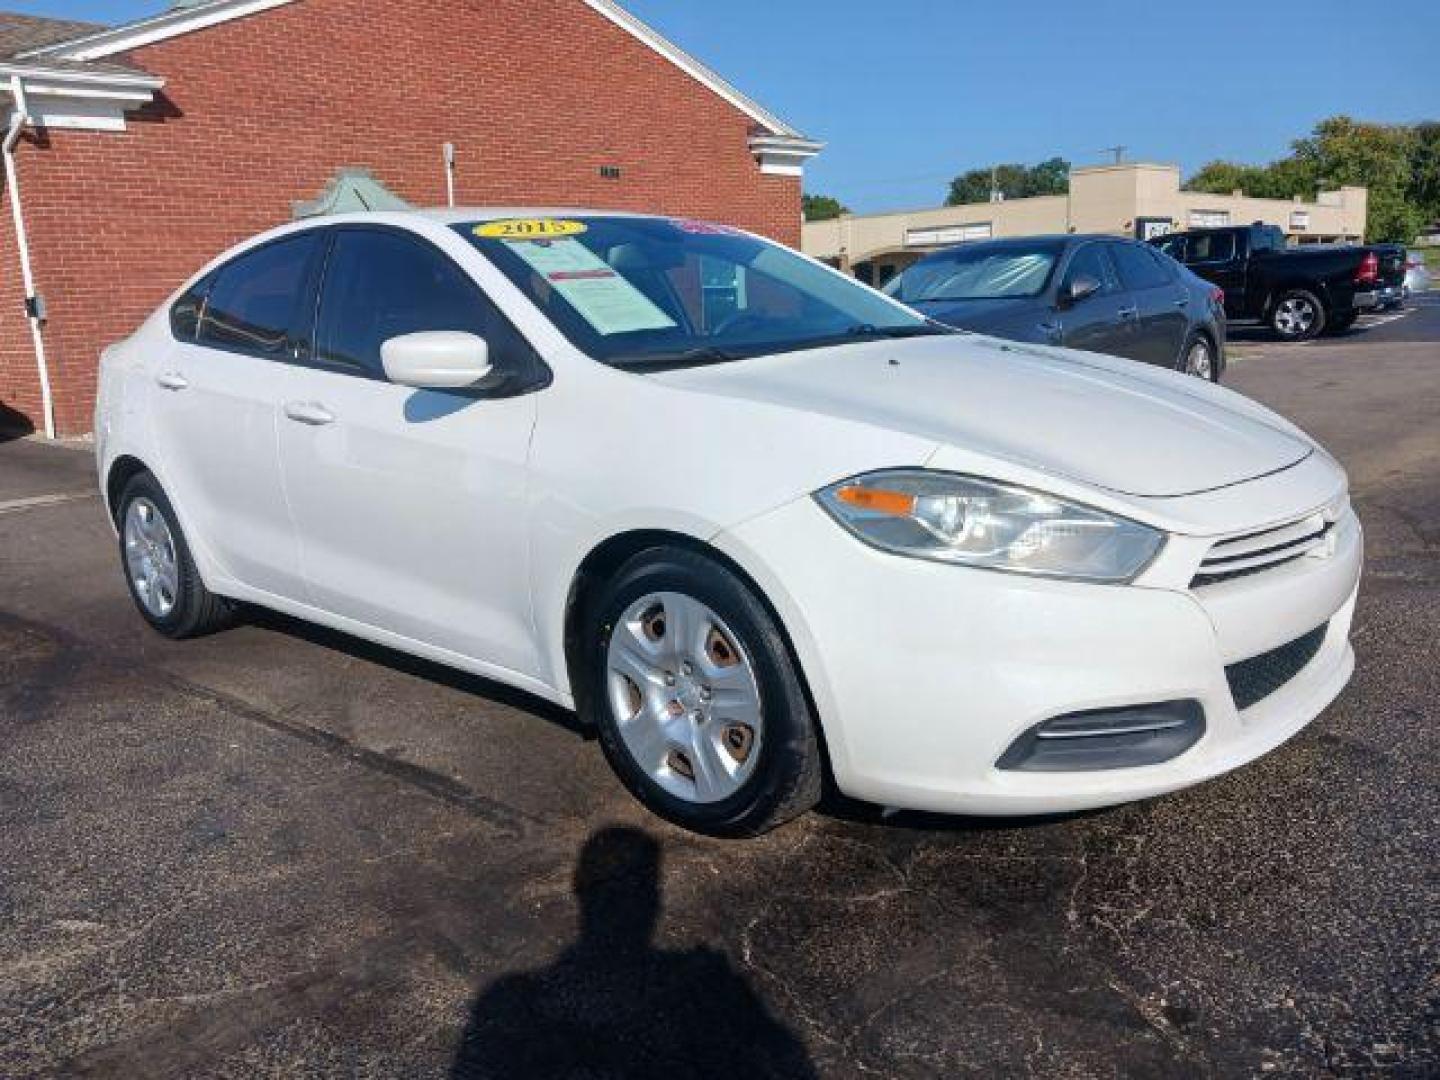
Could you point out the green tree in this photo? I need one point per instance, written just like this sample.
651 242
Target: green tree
1223 177
1376 156
1423 190
1012 180
822 207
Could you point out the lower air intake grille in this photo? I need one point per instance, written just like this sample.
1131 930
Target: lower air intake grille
1252 681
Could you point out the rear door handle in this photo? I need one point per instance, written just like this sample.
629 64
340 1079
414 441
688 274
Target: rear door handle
1128 312
1184 301
309 412
172 380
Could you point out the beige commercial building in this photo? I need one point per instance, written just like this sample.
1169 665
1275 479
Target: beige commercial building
1131 199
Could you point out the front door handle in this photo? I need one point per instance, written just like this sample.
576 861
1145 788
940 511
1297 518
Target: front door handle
309 412
172 380
1129 312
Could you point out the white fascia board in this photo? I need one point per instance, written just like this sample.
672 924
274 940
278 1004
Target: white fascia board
79 100
177 21
691 66
781 155
138 83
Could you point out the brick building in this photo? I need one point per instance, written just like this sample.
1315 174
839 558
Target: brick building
140 151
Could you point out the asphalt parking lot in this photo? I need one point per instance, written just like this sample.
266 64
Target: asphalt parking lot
279 851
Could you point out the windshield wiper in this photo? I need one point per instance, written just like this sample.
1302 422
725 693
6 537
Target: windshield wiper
698 357
870 330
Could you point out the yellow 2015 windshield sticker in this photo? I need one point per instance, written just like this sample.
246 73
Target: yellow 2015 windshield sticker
529 229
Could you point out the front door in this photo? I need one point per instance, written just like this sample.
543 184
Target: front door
410 504
213 410
1101 322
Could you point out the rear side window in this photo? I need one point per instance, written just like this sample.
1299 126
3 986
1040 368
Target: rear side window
380 284
1174 246
1139 267
1091 261
254 300
185 312
1211 247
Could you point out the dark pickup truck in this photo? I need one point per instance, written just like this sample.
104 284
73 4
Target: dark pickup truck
1299 292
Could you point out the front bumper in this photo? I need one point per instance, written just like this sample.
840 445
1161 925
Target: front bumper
924 674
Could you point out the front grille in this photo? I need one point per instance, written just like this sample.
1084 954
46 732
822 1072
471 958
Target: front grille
1264 550
1252 681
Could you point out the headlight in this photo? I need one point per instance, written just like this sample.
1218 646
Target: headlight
959 519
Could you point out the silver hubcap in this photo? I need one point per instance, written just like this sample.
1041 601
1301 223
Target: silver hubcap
684 697
1294 316
1198 362
150 558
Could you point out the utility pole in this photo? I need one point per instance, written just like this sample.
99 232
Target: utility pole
1118 151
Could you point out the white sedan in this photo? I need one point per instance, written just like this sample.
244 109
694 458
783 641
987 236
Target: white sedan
757 523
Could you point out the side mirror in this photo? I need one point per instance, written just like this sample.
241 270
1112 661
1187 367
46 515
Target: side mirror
436 359
1083 287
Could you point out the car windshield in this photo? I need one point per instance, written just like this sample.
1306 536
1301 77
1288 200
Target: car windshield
653 292
982 272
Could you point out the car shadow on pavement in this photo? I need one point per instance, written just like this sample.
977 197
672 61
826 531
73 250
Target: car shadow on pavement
614 1005
13 425
416 667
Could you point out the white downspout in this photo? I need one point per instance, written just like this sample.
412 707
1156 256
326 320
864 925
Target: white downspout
19 117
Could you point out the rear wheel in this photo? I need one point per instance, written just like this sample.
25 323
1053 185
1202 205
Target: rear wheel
1298 315
700 709
159 569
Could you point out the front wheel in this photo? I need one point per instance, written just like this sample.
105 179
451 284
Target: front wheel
700 708
1199 359
1298 316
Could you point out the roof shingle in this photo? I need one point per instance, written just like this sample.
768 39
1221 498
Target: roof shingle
19 33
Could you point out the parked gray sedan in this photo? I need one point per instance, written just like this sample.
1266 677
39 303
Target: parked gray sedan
1099 293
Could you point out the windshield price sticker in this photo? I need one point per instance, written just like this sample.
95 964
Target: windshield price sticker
529 229
601 295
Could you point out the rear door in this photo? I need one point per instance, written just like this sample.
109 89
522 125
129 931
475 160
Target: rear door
1158 302
215 396
1220 258
410 504
1099 322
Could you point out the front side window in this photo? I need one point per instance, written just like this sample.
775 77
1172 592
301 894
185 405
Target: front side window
380 284
635 292
253 303
1090 261
982 272
1139 267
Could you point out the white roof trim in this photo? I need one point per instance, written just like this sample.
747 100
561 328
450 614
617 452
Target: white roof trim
139 83
691 66
169 24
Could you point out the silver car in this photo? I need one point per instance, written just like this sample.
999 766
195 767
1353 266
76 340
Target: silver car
1417 275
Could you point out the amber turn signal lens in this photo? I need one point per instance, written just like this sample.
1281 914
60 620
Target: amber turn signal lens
877 500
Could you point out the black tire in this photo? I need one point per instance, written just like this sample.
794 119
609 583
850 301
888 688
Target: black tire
1187 365
197 611
1340 323
1290 330
787 779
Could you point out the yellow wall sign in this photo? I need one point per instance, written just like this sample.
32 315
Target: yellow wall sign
529 229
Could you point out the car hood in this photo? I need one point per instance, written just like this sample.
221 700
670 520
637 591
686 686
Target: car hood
1107 423
977 314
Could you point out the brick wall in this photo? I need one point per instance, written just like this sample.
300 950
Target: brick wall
536 95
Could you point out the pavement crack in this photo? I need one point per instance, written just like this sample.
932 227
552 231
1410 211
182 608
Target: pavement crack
73 652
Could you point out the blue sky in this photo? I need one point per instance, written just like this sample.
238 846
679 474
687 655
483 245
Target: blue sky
909 92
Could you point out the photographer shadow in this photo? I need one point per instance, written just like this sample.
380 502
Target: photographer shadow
614 1005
